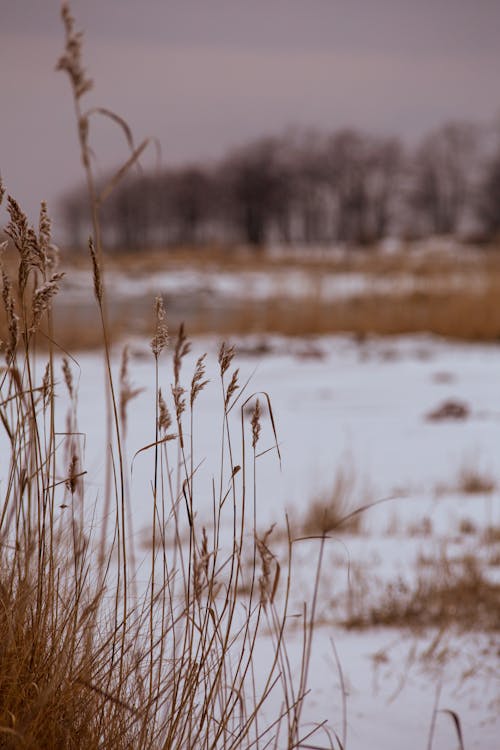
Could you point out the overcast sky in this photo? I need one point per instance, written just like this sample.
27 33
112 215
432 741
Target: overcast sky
203 75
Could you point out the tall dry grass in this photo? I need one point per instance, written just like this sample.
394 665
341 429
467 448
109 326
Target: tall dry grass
91 655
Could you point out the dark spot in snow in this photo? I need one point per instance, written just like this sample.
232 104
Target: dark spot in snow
449 410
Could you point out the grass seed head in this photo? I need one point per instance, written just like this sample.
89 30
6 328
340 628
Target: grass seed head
197 383
71 481
49 251
164 416
182 348
179 400
255 422
226 354
25 241
44 228
96 271
68 377
42 298
12 318
47 385
160 339
71 60
232 388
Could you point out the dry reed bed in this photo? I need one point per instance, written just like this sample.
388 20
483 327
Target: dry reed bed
469 315
466 315
432 262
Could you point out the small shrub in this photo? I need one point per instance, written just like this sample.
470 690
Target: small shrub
449 410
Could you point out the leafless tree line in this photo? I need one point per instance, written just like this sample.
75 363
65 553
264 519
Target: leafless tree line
309 188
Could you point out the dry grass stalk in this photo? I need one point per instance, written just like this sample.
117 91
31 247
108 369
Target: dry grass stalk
267 587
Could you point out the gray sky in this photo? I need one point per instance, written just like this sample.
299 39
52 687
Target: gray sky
203 75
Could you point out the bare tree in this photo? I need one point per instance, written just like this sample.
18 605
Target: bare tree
363 173
442 172
488 200
74 208
302 187
258 184
385 171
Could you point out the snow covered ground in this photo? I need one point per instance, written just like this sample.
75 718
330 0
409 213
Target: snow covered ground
361 409
337 404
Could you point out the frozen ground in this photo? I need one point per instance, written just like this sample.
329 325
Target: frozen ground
358 408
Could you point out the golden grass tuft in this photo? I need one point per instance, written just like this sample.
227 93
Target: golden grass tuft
89 657
91 654
334 511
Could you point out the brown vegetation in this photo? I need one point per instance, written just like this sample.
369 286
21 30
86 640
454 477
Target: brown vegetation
462 316
335 511
449 410
91 656
470 480
450 593
474 482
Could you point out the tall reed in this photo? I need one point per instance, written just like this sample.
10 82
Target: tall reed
90 657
